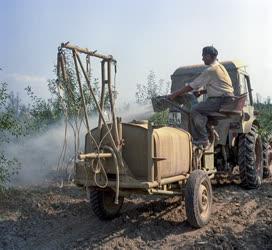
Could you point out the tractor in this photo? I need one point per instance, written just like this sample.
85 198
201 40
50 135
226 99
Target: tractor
235 126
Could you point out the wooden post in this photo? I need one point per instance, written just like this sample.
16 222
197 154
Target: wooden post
81 92
114 121
102 95
86 51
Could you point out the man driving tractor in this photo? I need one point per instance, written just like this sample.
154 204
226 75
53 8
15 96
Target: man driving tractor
213 81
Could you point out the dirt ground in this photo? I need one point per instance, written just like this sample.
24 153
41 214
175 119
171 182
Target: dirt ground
61 218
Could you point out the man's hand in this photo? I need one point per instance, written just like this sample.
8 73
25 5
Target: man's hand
171 97
200 92
197 93
180 92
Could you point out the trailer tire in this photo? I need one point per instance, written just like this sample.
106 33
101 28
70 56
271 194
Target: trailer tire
267 168
198 198
250 159
102 204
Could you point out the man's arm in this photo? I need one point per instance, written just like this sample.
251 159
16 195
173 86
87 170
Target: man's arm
199 82
180 92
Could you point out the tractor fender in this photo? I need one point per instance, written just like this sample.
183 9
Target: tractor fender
248 119
246 127
248 124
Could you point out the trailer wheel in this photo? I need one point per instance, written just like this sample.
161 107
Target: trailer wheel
102 204
250 159
198 198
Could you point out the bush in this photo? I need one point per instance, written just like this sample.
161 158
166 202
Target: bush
264 118
9 126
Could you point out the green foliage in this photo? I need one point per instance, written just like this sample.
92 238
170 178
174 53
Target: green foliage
41 112
160 118
264 118
8 121
3 94
8 167
153 88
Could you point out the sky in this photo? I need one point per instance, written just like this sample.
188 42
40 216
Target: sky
143 35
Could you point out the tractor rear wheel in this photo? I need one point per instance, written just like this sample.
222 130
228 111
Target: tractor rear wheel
267 163
250 159
198 198
102 203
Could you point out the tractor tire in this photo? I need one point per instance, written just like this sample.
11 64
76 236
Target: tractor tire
198 198
102 204
267 164
250 159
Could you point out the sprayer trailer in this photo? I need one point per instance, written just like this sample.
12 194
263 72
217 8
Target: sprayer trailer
132 158
157 161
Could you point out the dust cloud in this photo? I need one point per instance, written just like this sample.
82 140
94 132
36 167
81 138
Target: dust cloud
136 112
39 156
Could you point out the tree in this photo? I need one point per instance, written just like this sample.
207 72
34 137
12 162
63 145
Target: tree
264 117
152 88
41 112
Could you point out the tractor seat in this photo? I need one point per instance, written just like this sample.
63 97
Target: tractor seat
231 106
217 116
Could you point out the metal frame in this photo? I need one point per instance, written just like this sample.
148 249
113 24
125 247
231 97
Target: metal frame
109 60
106 67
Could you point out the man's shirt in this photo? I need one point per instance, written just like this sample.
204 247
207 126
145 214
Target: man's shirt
215 79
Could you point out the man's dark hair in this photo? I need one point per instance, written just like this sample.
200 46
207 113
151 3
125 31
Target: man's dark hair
210 50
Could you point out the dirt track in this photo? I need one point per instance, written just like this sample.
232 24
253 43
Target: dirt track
54 218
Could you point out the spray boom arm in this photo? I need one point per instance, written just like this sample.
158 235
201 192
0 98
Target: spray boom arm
106 79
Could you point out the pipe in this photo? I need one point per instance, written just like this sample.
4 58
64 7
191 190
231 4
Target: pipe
120 132
94 156
168 180
164 192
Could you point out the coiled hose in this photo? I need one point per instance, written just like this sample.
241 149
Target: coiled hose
116 201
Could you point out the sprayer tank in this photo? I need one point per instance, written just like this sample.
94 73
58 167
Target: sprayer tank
170 151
